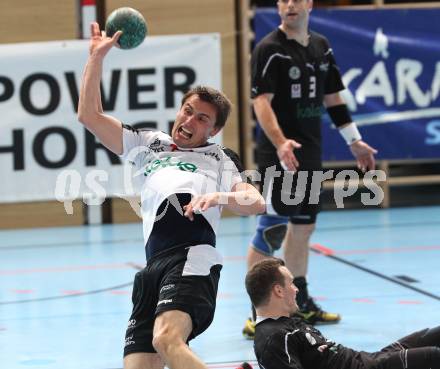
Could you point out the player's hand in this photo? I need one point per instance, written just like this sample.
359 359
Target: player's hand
286 155
201 203
364 155
99 43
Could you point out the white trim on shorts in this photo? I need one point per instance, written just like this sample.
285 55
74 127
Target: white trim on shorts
200 259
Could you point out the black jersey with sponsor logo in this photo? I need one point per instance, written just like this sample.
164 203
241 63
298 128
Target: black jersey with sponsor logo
299 77
289 343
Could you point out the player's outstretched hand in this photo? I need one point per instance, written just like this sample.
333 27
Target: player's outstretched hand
364 155
201 203
99 42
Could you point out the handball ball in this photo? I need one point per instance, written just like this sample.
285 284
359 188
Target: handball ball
131 23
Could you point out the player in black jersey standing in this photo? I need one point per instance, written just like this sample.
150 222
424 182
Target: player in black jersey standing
186 182
294 74
285 342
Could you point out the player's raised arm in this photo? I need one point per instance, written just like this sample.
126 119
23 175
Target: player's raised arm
106 128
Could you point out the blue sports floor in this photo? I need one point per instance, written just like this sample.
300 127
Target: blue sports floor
65 292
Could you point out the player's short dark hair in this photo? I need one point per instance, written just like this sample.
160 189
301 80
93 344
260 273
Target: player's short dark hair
214 97
261 278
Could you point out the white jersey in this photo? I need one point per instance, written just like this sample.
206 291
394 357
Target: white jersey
166 169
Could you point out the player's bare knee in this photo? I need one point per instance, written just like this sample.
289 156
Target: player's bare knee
159 343
164 340
166 337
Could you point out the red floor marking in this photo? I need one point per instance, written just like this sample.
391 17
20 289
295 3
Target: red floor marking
65 269
387 250
377 250
23 291
323 249
364 300
410 302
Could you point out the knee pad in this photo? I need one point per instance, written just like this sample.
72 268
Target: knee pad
269 234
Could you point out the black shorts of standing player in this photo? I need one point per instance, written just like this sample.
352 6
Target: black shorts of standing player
168 283
291 194
419 350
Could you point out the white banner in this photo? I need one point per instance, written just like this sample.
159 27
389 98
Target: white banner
40 136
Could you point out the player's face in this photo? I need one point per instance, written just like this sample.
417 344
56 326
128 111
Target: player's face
195 123
290 291
294 13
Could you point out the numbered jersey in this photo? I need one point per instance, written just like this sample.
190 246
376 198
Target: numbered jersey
299 77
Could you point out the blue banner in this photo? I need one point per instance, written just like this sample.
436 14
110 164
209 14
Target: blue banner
390 62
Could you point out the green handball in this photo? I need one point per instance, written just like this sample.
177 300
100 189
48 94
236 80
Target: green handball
131 23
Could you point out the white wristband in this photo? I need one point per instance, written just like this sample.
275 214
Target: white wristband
283 165
350 133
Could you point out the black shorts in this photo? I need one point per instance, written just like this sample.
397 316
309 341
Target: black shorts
291 194
181 279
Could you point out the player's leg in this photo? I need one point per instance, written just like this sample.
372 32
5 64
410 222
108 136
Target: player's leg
296 251
271 227
290 198
171 331
414 358
186 304
253 256
418 350
139 352
422 338
425 337
297 247
143 360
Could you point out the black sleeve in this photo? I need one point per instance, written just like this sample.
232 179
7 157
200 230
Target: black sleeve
280 353
333 82
247 178
264 69
234 157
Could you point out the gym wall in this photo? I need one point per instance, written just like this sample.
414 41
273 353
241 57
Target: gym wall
33 21
43 20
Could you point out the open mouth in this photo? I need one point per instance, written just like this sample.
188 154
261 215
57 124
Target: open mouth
185 133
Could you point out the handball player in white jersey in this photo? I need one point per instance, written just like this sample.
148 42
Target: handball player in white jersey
186 182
